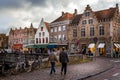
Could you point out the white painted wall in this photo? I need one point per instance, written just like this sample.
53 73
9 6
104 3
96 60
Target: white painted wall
45 30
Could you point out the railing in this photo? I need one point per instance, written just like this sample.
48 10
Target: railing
13 63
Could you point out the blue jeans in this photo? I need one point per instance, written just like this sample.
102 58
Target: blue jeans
52 67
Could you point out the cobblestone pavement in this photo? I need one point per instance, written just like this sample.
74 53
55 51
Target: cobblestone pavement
112 74
74 72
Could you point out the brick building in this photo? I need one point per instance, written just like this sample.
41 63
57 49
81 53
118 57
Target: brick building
3 41
58 32
96 30
20 38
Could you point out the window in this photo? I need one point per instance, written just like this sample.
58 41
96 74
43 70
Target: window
46 39
92 31
41 28
39 34
64 38
84 22
59 36
83 32
43 40
74 32
43 33
55 37
101 30
64 28
87 14
51 29
55 29
36 40
90 21
59 29
39 40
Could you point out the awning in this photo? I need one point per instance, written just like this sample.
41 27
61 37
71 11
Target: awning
101 45
42 46
31 46
25 49
91 45
17 46
52 46
116 45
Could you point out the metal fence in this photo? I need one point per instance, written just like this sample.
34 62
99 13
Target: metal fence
13 63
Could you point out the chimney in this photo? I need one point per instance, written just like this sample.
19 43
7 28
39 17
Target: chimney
31 26
75 11
117 5
62 13
20 28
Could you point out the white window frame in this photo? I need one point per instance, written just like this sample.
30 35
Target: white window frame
64 28
55 28
51 29
59 28
59 36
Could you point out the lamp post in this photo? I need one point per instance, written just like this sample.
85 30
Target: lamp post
95 39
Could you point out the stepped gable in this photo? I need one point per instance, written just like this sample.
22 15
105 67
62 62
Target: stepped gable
100 15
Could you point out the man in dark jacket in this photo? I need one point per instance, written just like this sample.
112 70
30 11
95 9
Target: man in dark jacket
63 58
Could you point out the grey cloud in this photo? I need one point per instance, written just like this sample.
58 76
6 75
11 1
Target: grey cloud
11 4
42 3
103 5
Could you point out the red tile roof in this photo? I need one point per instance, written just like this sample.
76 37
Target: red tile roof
76 19
47 25
100 15
105 14
66 16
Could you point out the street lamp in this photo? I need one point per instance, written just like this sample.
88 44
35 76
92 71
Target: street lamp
95 39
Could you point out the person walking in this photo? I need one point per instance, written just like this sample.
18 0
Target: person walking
52 58
83 53
63 58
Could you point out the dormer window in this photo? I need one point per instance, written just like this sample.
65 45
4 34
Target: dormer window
87 14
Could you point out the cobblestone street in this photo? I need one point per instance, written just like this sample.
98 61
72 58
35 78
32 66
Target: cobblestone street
74 72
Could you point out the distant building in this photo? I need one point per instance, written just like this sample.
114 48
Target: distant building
96 30
20 38
3 41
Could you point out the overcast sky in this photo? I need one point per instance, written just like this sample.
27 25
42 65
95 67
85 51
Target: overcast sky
20 13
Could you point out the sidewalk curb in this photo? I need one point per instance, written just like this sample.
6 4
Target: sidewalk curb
97 73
